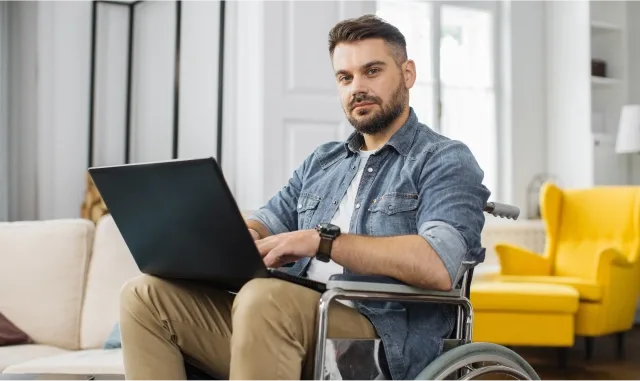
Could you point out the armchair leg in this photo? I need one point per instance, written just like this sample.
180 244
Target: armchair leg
620 342
588 347
562 357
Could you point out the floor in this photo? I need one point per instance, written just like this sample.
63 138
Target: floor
604 364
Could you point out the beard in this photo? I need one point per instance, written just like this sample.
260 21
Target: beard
375 121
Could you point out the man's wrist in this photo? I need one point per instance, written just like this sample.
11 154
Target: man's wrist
256 235
260 230
315 238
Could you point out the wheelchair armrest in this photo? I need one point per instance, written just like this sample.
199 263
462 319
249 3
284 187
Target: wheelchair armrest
382 284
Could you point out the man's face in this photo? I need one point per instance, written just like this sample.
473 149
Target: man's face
374 90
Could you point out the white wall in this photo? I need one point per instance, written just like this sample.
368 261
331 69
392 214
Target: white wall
49 117
4 116
570 146
523 135
633 15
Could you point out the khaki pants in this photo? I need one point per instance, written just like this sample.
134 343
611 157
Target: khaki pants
273 334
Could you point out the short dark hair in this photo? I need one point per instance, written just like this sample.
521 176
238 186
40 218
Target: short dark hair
367 27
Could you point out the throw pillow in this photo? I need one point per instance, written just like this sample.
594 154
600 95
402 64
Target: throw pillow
10 334
113 341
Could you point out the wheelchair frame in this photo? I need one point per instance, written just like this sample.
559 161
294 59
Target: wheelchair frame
462 352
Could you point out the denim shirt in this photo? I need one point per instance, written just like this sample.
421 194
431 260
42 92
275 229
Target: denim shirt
419 182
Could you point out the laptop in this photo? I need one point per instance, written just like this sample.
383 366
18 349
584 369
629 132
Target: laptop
180 221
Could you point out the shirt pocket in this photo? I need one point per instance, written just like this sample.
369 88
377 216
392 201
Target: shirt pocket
393 214
306 208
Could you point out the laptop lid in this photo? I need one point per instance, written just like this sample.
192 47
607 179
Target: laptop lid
180 220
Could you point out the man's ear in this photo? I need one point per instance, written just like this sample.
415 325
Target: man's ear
409 73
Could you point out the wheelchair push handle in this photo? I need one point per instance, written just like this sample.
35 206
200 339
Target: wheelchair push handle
502 210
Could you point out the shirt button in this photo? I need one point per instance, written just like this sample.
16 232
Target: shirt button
358 206
299 206
354 167
370 170
335 202
390 206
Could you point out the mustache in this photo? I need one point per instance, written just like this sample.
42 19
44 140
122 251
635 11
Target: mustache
362 98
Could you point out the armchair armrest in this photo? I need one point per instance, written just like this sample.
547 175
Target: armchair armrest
515 260
382 284
608 260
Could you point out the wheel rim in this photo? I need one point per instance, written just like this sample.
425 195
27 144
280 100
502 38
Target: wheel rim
503 365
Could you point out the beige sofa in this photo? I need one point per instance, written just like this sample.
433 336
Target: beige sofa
59 283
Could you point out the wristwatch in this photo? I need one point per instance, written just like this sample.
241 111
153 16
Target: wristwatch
328 232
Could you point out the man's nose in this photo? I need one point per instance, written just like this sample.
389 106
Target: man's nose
358 86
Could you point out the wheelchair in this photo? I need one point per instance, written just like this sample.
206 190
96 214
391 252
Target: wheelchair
462 359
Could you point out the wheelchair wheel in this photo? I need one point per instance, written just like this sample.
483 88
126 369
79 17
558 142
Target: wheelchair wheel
479 361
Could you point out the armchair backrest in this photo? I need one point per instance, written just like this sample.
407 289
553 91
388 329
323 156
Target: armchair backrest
581 223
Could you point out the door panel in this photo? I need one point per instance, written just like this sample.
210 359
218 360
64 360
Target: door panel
307 65
298 106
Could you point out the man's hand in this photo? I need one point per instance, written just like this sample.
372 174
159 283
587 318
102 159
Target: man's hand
278 250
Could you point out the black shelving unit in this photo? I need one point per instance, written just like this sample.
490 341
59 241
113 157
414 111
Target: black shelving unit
132 7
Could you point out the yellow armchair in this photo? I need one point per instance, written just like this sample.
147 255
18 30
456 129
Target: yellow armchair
593 245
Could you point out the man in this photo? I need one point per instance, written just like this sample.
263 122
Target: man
407 202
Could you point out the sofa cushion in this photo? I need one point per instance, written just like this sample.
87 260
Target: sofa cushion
89 361
42 277
111 266
10 334
17 354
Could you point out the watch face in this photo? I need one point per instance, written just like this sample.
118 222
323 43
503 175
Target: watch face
329 229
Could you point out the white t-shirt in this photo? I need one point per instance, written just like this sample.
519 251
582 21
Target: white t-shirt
321 271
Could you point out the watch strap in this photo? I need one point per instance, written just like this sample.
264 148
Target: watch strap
324 249
328 233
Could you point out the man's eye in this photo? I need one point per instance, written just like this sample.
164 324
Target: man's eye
372 71
344 78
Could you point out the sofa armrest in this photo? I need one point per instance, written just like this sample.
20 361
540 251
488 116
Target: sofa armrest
382 284
515 260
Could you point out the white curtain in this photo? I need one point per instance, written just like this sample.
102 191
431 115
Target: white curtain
4 112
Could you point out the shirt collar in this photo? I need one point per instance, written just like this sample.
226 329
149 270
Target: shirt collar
402 140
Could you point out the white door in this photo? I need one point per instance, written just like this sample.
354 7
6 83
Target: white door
286 97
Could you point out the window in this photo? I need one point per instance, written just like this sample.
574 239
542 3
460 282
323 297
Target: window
454 47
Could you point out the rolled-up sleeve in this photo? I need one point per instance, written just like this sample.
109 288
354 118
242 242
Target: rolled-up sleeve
279 214
450 215
269 220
